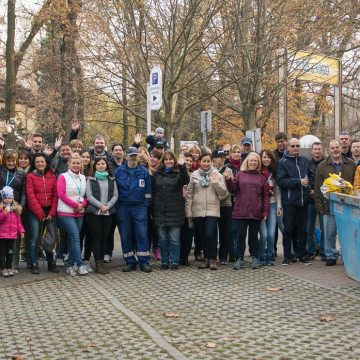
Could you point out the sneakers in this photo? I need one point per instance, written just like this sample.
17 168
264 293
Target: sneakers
11 272
286 262
184 262
255 263
270 261
239 264
164 267
129 267
70 270
88 267
76 268
311 256
146 268
174 267
107 258
305 261
82 270
52 268
330 262
60 262
66 257
157 254
323 258
293 259
4 273
22 257
35 269
232 258
262 261
223 262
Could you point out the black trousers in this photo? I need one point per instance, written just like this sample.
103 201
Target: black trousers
6 253
224 225
186 240
99 226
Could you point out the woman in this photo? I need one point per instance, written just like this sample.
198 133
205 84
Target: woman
143 160
87 162
203 206
251 206
72 202
169 206
42 200
196 153
234 165
267 227
101 194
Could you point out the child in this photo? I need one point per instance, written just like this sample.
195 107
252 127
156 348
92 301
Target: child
10 226
155 137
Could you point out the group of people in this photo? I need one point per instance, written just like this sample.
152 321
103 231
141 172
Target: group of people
164 203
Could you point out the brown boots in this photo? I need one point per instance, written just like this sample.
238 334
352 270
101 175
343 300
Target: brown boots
213 265
100 268
208 264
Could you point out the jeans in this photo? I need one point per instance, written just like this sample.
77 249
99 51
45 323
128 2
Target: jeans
34 224
254 226
311 240
72 226
169 241
330 231
224 224
267 234
233 237
295 215
62 246
207 228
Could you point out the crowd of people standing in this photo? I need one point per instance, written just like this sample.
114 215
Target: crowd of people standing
164 203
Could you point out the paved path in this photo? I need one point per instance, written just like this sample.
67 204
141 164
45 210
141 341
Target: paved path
121 316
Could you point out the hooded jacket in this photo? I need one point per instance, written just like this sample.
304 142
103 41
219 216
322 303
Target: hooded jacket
10 225
289 172
16 180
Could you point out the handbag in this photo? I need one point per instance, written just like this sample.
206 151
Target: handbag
49 237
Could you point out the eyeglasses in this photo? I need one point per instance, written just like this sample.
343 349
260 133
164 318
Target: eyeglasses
344 133
295 146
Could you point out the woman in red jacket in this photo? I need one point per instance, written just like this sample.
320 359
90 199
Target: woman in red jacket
42 199
251 206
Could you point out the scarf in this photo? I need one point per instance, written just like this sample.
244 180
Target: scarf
101 175
205 180
167 170
266 172
235 163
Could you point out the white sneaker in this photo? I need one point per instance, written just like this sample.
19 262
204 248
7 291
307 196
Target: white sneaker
82 270
66 257
107 258
76 268
70 270
88 267
60 262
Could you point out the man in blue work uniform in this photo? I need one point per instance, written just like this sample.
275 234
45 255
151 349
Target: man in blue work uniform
134 187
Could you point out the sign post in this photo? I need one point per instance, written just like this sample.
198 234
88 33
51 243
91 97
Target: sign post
154 94
206 117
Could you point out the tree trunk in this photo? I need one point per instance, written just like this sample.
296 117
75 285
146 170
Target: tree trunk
125 114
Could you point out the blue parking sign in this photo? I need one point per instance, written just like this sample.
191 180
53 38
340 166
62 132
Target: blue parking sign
155 78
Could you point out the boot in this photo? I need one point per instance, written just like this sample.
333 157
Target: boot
52 267
100 269
255 263
213 265
205 264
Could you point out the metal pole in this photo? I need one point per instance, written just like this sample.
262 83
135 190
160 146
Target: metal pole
205 129
204 138
148 110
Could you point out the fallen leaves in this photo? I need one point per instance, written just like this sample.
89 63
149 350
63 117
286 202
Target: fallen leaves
17 357
274 288
91 345
327 318
228 339
210 345
172 315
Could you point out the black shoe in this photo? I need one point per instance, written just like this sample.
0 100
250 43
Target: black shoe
35 269
293 259
232 258
330 262
164 267
52 268
129 267
323 258
28 265
174 267
22 257
286 262
305 260
184 262
311 256
146 268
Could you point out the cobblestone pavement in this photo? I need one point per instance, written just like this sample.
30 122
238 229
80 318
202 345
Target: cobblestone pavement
121 316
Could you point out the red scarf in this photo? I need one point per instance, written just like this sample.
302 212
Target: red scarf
265 172
195 166
235 163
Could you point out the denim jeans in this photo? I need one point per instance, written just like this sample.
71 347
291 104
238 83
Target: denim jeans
169 241
63 245
207 227
330 231
233 237
267 234
34 224
311 240
295 215
72 226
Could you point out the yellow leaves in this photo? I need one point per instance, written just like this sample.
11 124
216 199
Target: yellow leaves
171 315
327 318
228 339
210 345
274 289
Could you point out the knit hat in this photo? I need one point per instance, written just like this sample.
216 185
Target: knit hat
159 130
7 192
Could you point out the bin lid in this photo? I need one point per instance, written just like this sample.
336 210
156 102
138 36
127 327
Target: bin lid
345 199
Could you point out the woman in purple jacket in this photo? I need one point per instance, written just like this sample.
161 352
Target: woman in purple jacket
251 206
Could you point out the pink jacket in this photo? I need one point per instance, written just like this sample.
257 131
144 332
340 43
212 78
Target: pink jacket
10 225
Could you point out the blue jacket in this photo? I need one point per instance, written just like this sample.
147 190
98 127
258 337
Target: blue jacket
289 172
134 190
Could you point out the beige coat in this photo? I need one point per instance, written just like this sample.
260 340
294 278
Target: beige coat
204 201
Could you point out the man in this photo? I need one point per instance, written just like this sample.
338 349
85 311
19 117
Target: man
219 157
34 145
246 147
159 145
344 139
281 145
99 148
134 187
117 152
334 164
355 150
317 157
292 177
